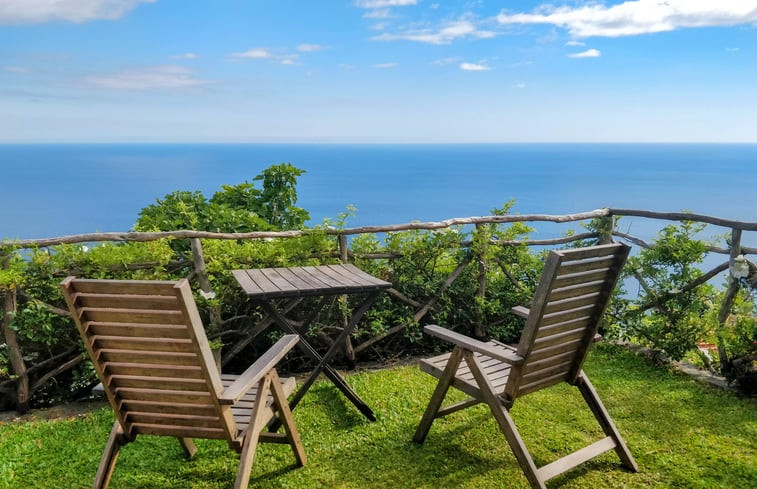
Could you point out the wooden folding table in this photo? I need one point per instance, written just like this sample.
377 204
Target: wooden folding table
265 286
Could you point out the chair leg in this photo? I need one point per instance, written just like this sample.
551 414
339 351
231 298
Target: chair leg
115 441
282 406
439 394
603 417
505 422
252 434
188 446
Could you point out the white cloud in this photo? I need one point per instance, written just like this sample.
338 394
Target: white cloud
732 50
254 53
289 59
165 77
589 53
186 56
446 61
16 69
38 11
473 67
575 43
374 4
519 86
310 48
383 13
386 65
521 64
634 17
447 34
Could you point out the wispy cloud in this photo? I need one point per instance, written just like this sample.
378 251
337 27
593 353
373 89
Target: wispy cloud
446 61
473 67
635 17
445 35
521 64
186 56
575 43
382 13
164 77
589 53
310 48
254 53
385 66
16 69
263 53
38 11
373 4
519 86
732 50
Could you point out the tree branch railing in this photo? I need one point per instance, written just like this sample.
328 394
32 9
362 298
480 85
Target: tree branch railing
25 386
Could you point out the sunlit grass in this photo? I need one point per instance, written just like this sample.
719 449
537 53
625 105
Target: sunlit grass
682 434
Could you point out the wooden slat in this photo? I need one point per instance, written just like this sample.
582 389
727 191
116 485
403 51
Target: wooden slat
297 282
587 265
319 274
537 374
279 281
580 322
576 290
527 388
178 431
147 406
568 315
554 306
262 282
366 277
576 458
582 277
533 365
560 338
131 316
589 252
143 344
163 395
189 420
344 276
127 301
542 353
141 287
149 357
151 369
150 382
137 329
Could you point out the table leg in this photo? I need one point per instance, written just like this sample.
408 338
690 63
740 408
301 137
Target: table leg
323 366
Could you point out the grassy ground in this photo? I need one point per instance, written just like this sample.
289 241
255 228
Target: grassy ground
682 434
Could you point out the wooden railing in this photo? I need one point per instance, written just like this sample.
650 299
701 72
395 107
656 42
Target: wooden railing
23 390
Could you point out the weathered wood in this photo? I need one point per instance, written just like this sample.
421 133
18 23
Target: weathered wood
480 328
728 298
169 385
201 273
15 355
552 349
685 216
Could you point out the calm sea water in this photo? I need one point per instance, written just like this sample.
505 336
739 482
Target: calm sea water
52 190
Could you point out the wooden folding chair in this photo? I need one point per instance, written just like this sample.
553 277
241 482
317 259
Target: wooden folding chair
566 309
151 354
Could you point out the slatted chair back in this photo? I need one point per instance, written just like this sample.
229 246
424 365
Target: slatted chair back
566 310
152 356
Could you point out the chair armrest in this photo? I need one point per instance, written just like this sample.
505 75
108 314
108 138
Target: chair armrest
521 311
473 344
258 370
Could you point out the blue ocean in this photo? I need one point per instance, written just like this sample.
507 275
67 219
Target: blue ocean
53 190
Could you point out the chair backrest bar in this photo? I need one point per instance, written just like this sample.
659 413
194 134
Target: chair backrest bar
151 353
570 300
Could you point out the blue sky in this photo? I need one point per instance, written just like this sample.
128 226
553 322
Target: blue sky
378 71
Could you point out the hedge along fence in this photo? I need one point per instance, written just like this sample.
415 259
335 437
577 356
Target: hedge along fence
474 259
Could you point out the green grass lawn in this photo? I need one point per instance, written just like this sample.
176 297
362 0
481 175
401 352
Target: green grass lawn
682 434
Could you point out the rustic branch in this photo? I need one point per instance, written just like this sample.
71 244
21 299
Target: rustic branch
685 216
56 371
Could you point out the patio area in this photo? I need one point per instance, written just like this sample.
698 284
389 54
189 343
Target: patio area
682 434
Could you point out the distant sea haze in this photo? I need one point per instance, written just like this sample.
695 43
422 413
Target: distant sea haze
53 190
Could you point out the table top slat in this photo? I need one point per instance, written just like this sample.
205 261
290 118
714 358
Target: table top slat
262 282
268 283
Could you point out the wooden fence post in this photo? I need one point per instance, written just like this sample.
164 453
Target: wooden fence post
480 327
728 298
349 350
15 356
202 277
